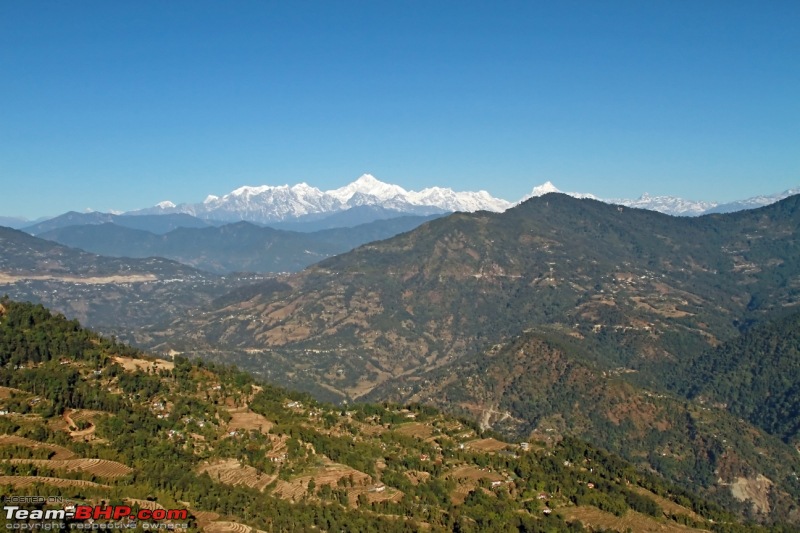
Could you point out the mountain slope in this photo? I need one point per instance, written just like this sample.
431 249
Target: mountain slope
241 456
118 296
649 285
633 292
239 247
540 384
753 202
157 224
755 376
29 257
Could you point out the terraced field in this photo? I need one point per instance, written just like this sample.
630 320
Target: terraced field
245 419
630 521
97 467
415 429
467 479
232 472
59 453
22 482
329 473
487 445
229 527
145 504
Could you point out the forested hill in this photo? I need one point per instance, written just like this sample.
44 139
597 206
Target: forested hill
588 308
236 247
755 376
90 419
458 285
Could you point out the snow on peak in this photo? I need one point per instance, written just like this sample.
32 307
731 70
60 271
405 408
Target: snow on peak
548 187
669 205
305 188
267 203
544 188
368 185
248 190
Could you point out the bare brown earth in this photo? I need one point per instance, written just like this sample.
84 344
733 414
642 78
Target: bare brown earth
668 506
229 527
630 521
205 517
244 419
84 434
755 489
416 477
132 365
415 429
8 279
29 481
7 392
232 472
388 494
96 467
328 473
59 453
145 504
486 445
467 478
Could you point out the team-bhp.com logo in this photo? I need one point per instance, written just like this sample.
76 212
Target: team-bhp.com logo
117 515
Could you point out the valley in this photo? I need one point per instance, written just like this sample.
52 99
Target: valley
556 319
86 419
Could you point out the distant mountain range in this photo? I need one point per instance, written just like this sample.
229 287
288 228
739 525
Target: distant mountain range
268 204
673 205
302 207
304 224
234 247
302 203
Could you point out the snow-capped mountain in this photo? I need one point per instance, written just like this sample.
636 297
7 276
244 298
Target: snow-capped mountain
267 203
752 203
367 186
548 187
270 204
670 205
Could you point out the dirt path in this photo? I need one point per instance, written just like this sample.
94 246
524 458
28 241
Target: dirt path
78 434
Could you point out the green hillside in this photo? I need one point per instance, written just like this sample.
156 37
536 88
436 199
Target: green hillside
755 376
90 419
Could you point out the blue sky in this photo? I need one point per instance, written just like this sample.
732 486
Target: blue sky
119 105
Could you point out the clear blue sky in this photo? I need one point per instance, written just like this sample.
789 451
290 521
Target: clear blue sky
121 104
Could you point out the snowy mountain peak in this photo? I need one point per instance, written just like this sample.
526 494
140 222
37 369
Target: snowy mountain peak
367 185
544 188
268 203
305 188
248 190
368 180
548 187
670 205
